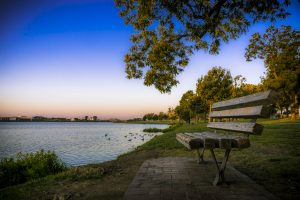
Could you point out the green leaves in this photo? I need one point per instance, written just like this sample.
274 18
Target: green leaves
215 86
168 32
184 109
279 48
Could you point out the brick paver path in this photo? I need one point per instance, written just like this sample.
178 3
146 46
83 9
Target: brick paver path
172 178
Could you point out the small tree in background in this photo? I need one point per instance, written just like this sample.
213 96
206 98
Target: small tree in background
172 115
215 86
198 106
184 109
241 88
149 116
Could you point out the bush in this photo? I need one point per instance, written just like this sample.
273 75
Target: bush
29 166
152 130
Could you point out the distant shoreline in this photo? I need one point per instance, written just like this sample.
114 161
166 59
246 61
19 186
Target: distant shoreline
58 121
102 121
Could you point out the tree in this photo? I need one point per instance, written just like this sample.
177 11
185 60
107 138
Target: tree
172 115
162 116
279 48
238 83
184 109
198 106
241 88
149 116
167 32
155 117
215 86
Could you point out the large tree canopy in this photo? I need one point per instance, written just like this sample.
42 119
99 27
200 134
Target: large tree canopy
169 31
279 48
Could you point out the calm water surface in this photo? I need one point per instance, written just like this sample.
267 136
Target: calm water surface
76 143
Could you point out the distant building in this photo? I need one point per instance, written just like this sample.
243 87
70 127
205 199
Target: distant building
24 119
8 119
5 119
60 119
39 118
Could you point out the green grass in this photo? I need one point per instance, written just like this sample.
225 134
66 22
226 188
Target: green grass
273 160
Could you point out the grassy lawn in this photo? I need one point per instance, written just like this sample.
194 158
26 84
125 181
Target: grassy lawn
273 160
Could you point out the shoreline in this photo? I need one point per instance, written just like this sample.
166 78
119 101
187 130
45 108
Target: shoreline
104 121
109 180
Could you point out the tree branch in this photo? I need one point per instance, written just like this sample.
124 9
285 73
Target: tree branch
214 12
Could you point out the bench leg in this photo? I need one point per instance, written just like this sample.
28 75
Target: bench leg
200 155
220 177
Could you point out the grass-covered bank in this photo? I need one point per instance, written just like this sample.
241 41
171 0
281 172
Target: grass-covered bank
272 160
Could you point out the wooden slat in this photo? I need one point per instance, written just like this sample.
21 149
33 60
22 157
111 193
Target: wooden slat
189 142
246 127
214 140
235 141
207 142
261 98
210 140
248 112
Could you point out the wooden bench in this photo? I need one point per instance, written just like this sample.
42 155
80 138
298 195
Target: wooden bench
224 117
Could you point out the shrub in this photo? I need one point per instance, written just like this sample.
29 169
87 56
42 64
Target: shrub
152 130
29 166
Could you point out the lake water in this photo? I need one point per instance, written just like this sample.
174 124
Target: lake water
76 143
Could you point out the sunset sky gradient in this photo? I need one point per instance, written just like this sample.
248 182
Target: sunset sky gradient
65 58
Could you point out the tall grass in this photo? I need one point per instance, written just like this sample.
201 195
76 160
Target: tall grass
29 166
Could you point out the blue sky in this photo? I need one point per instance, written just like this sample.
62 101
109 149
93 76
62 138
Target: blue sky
65 58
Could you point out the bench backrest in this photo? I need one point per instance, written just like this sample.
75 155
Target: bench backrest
250 107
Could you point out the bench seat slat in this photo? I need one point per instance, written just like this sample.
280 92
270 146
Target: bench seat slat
248 112
221 140
261 98
210 140
189 142
245 127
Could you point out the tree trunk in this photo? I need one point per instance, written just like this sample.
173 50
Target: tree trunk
210 105
287 112
295 108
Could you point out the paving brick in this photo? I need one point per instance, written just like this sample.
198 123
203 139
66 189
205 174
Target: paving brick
172 178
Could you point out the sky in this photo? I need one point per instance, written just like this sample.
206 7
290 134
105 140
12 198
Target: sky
64 58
